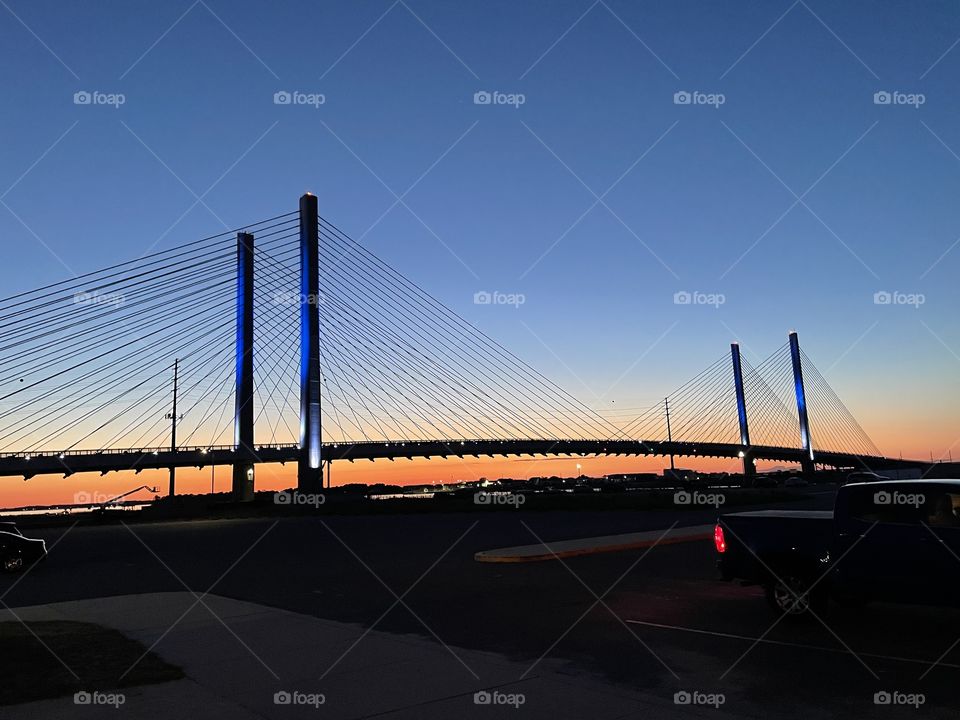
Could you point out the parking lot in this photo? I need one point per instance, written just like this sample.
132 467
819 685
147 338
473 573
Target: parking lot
655 620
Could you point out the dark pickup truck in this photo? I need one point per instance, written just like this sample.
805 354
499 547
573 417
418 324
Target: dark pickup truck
895 541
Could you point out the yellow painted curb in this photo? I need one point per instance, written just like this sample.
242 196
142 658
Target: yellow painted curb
511 555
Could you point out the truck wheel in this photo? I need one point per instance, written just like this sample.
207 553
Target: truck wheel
12 563
788 595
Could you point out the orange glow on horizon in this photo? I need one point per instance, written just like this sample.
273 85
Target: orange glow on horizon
51 490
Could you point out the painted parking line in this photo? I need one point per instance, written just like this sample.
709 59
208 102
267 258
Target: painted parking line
783 643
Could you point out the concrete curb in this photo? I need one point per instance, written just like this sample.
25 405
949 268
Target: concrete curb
592 546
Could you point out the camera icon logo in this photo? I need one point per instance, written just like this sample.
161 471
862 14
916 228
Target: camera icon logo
682 698
482 298
282 698
682 297
482 97
282 97
82 698
882 498
882 698
682 97
882 97
82 97
282 498
882 297
682 497
482 698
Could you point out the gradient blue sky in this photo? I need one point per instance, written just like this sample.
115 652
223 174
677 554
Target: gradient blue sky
706 208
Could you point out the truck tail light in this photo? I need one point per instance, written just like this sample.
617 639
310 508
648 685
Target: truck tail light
718 539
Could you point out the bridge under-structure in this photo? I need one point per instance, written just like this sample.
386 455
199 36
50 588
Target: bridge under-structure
371 366
139 460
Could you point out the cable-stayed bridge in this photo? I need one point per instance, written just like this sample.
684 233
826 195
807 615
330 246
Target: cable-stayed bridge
287 341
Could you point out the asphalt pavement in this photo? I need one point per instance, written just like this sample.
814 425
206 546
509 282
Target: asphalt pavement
655 620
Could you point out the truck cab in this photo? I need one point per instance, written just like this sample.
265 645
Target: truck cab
894 541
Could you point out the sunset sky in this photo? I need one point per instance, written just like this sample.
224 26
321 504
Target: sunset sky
815 168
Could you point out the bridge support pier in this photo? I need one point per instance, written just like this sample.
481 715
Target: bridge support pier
749 469
805 441
309 466
243 418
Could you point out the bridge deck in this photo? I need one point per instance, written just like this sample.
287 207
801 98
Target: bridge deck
68 463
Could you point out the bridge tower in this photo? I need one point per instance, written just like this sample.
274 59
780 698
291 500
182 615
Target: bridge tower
243 418
749 468
805 442
309 466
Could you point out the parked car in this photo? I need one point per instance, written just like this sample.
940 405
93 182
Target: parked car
896 541
862 476
18 552
795 481
765 481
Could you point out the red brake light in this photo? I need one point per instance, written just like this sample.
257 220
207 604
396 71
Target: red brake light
718 539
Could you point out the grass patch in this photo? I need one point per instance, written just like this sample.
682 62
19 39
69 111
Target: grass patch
31 670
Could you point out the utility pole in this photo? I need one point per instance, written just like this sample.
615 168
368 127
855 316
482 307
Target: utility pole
666 405
173 418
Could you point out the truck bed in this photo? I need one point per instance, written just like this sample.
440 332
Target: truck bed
821 514
759 539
